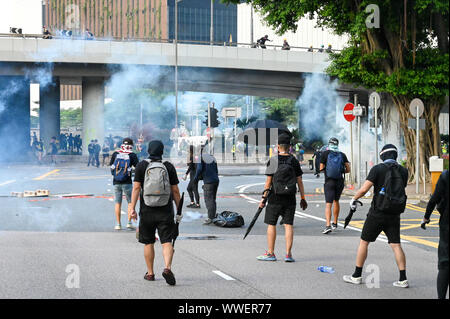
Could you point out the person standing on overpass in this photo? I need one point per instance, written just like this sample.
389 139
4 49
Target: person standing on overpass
334 164
389 180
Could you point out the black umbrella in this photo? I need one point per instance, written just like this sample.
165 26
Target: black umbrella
350 214
250 226
176 231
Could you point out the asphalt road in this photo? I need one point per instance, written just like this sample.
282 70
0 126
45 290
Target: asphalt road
71 233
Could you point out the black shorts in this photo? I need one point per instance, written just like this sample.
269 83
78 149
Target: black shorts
273 211
150 222
333 189
376 223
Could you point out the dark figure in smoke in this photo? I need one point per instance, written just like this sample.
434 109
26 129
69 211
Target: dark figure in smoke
316 157
91 153
88 35
38 148
70 140
53 149
262 42
97 149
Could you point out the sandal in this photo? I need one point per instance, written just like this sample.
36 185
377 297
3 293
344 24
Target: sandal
149 277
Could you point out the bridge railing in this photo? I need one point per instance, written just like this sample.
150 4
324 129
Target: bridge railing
156 40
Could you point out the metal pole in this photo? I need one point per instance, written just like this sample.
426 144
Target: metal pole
354 176
424 179
351 153
417 150
359 151
209 126
176 63
376 134
211 30
251 25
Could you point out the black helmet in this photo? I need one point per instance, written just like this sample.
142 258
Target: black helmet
389 151
333 141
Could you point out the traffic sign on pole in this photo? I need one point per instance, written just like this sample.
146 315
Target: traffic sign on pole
348 112
416 107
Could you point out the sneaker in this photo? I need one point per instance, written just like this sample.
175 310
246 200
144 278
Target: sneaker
149 277
289 259
327 230
192 205
334 226
267 257
169 277
352 280
207 221
401 284
117 227
197 206
130 226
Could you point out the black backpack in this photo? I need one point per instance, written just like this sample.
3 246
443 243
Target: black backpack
392 197
284 180
229 219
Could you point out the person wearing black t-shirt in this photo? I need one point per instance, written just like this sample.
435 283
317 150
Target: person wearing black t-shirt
333 187
156 218
281 205
377 220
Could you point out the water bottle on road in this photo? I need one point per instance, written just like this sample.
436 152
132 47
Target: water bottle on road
327 269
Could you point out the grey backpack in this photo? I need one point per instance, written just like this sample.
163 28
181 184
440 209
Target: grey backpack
156 190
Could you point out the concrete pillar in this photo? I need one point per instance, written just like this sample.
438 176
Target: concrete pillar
93 103
14 118
49 112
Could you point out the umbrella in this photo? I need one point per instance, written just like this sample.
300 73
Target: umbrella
250 226
176 232
350 214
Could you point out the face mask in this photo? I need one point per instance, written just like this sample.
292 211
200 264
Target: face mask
333 147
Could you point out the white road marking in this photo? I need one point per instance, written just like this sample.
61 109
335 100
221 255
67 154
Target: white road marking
7 182
111 199
221 274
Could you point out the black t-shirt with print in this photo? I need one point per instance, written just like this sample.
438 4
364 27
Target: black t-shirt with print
270 171
139 176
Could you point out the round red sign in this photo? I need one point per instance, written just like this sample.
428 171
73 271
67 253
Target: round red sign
348 112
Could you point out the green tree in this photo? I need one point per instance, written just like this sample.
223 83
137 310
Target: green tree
281 110
407 56
71 118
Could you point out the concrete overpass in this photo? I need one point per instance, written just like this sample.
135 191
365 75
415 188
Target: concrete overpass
203 68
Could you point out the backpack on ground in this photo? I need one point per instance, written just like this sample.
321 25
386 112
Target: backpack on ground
392 197
156 189
284 181
229 219
335 165
122 167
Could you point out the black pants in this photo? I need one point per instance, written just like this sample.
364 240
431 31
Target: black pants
192 189
443 261
97 159
210 194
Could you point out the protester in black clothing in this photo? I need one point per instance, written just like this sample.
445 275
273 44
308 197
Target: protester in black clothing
440 198
156 218
88 35
282 203
91 153
105 153
334 164
97 149
46 33
53 149
316 156
192 187
383 177
263 40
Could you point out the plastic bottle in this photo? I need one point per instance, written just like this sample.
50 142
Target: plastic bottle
327 269
382 191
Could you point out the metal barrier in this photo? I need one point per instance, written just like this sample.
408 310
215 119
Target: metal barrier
155 40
